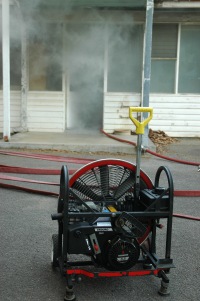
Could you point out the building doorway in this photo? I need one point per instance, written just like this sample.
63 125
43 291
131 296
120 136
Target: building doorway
84 64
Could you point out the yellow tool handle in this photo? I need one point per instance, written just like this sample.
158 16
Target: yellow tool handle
140 126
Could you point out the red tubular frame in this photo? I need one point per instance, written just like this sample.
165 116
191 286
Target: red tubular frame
112 274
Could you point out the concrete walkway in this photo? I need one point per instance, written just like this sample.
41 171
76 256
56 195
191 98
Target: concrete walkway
85 141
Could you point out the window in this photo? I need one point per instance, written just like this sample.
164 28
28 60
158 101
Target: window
15 65
164 55
189 66
125 44
45 57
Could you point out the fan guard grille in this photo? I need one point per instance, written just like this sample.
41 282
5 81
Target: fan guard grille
105 180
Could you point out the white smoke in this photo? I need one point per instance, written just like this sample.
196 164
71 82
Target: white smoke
77 46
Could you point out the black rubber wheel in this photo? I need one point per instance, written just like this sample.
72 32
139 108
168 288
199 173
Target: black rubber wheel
70 296
64 188
54 251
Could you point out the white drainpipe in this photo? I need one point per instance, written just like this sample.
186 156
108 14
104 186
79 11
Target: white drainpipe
146 74
6 68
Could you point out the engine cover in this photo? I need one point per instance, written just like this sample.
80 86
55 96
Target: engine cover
122 254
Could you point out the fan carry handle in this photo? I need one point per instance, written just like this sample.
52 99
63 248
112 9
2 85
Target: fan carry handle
140 126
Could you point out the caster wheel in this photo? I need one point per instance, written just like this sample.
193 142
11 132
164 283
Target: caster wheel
164 290
70 296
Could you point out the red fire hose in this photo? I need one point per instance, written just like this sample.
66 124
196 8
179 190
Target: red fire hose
22 170
47 157
151 152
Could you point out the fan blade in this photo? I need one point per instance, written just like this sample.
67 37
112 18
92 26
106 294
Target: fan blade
104 177
124 187
75 195
86 190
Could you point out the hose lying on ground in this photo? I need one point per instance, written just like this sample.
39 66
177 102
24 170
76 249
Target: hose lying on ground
12 169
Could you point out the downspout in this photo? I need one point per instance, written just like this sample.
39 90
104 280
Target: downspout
6 68
24 70
146 72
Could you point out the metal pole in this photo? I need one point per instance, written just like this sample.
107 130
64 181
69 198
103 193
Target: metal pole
146 74
24 77
6 68
138 163
140 129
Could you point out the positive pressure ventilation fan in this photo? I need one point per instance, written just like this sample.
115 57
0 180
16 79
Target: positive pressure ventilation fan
99 187
109 212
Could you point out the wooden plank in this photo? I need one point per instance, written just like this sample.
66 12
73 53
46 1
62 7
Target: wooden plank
119 104
45 109
172 99
174 112
177 121
116 116
45 127
176 105
110 109
47 130
41 120
176 117
115 122
176 129
48 102
48 114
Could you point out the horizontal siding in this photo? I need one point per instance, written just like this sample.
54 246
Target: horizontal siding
45 112
116 111
15 111
177 116
159 116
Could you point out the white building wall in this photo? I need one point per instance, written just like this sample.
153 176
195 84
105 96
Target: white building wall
46 112
116 111
15 107
176 115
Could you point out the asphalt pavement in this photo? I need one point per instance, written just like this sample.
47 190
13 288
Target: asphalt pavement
26 229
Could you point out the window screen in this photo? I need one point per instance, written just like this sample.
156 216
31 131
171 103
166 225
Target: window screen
189 66
164 53
45 57
164 41
125 48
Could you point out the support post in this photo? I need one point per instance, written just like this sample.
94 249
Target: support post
24 77
6 68
146 72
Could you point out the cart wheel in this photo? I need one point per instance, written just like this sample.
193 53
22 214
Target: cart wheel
70 296
54 251
64 188
164 289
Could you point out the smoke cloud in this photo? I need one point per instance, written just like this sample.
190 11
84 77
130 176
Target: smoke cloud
84 62
75 46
